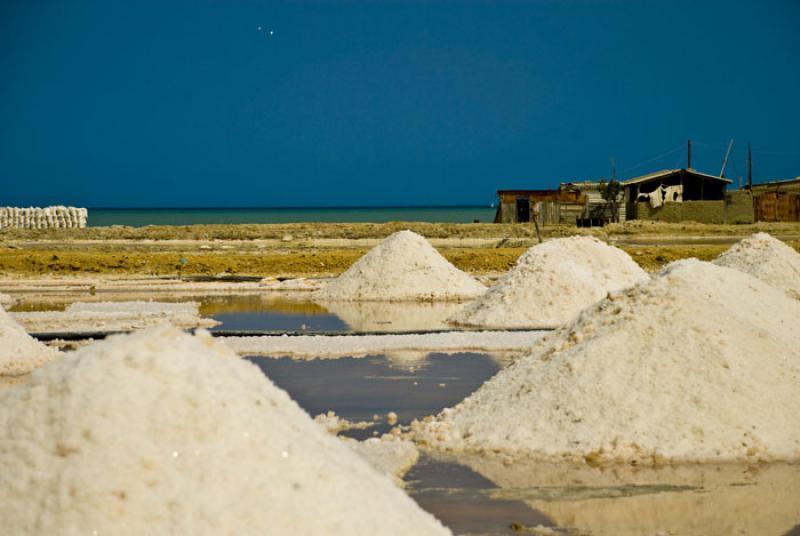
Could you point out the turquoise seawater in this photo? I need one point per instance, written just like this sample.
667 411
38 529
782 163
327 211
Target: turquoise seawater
100 217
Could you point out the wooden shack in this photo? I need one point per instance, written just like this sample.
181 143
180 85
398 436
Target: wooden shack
548 206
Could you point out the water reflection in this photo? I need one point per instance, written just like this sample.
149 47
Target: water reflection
457 496
384 316
357 389
618 500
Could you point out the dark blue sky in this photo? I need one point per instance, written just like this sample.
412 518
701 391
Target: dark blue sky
163 103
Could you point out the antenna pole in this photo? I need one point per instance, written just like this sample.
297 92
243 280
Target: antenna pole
725 160
689 154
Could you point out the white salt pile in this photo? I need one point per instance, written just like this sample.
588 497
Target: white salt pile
160 432
404 267
768 259
6 300
19 352
701 364
551 283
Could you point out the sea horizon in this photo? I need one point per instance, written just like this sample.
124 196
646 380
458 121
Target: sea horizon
143 216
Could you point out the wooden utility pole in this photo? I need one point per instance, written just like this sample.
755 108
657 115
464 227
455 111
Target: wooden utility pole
689 154
749 167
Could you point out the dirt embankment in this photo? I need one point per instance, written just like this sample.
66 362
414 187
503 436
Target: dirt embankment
325 249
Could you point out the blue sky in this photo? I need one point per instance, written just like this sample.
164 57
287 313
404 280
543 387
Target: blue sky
165 103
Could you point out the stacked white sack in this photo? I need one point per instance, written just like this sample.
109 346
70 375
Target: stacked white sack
551 283
768 259
57 217
702 364
160 432
19 352
404 267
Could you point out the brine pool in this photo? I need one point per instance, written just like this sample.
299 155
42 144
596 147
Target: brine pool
477 495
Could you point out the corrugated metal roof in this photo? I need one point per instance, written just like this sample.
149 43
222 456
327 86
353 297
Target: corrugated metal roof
667 172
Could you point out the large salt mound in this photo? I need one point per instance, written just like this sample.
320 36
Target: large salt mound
19 352
702 364
551 283
404 267
160 432
768 259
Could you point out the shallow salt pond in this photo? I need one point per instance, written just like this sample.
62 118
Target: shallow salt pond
411 384
278 312
485 494
488 495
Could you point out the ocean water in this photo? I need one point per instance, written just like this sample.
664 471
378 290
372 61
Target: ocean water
101 217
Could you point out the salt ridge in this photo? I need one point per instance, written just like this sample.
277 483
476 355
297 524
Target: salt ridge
701 364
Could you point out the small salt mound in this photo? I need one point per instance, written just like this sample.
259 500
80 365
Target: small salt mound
19 352
768 259
404 267
551 283
6 300
701 364
160 432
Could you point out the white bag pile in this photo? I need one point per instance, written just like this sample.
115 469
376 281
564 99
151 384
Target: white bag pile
59 217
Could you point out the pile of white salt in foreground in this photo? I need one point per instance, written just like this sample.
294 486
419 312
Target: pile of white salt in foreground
551 283
768 259
404 267
701 364
6 300
19 352
160 432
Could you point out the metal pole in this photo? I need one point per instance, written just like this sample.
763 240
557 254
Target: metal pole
689 154
725 160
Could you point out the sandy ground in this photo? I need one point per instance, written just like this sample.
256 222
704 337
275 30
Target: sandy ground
165 258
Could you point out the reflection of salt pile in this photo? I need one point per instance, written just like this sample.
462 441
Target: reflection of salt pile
395 316
164 433
701 364
114 316
408 360
404 267
551 283
387 455
768 259
687 499
19 352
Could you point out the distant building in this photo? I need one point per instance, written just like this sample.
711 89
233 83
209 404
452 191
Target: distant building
548 206
675 195
777 200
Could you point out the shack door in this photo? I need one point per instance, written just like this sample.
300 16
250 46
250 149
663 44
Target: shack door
523 210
